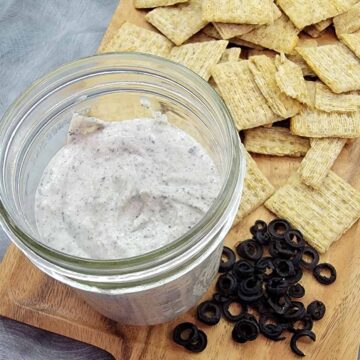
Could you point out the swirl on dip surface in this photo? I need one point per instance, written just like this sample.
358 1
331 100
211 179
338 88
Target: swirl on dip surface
122 189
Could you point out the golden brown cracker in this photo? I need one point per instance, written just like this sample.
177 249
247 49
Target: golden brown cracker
237 86
319 159
326 100
264 70
320 124
257 189
199 57
232 54
240 42
255 12
211 31
149 4
178 23
131 37
276 141
352 41
322 25
289 78
322 215
335 65
308 12
269 36
348 22
228 31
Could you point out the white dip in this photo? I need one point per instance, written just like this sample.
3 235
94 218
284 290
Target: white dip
121 189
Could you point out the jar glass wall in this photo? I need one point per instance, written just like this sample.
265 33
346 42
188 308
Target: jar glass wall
118 87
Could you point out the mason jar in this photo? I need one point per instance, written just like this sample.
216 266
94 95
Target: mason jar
156 286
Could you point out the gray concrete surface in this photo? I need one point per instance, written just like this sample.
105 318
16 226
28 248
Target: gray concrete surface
36 36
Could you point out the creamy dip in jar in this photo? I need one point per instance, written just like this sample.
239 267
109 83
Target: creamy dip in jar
122 189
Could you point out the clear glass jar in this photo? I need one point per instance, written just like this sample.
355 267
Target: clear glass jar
157 286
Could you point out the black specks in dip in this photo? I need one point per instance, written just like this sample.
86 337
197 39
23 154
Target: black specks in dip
121 189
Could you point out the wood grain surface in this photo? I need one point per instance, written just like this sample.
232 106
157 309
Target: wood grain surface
32 297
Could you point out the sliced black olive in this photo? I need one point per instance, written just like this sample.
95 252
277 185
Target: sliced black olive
250 249
296 291
284 268
243 268
270 327
313 254
265 266
209 312
297 277
227 312
322 278
295 239
198 345
249 298
316 310
295 311
250 286
226 284
279 248
297 336
245 330
220 298
306 323
228 263
260 226
278 228
277 286
262 238
279 305
185 333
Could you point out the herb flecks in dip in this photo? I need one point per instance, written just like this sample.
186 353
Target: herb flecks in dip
121 189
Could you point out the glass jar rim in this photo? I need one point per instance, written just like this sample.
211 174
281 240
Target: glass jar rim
212 219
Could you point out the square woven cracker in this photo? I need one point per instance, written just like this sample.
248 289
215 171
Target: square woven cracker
320 124
228 31
240 42
131 37
178 23
255 12
335 65
232 54
297 59
307 12
264 70
237 86
199 57
211 31
349 21
289 78
326 100
311 88
255 52
312 31
319 159
257 189
322 25
352 41
269 36
276 141
322 215
149 4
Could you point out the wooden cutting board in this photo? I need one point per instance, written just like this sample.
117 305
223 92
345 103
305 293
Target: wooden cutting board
29 296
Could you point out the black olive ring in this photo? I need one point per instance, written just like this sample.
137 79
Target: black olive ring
324 279
297 336
185 328
229 263
209 313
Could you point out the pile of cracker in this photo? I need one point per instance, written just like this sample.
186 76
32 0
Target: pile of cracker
296 61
